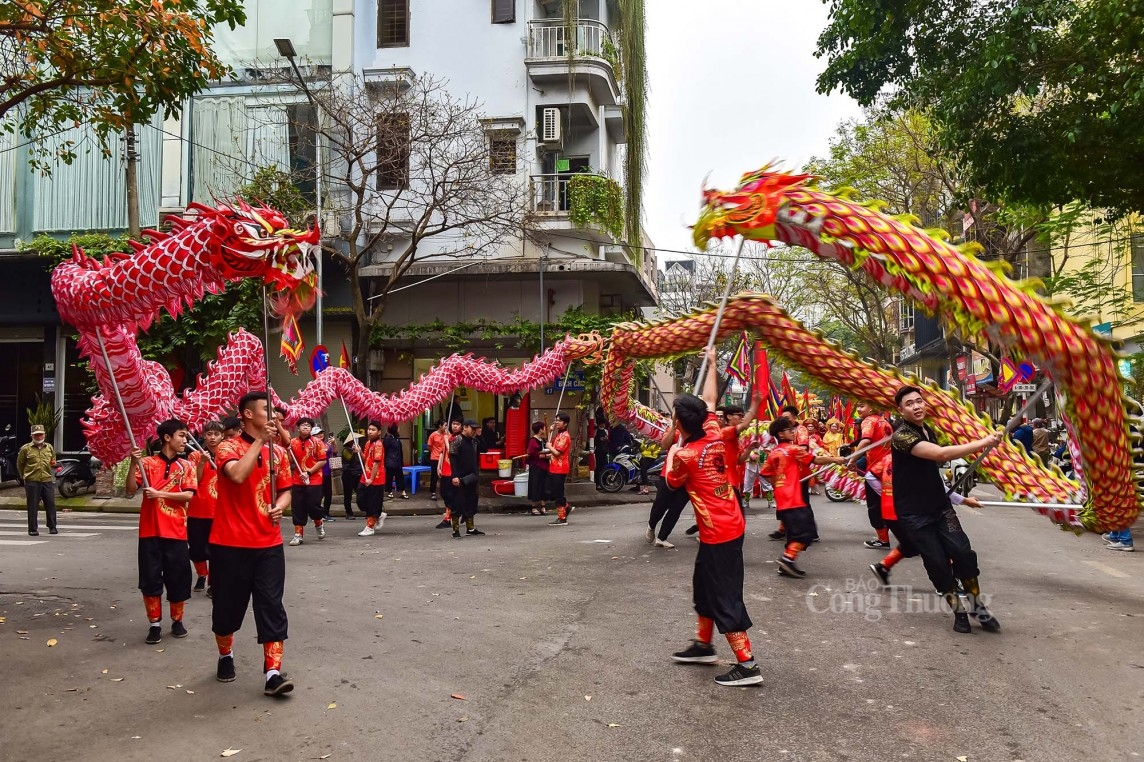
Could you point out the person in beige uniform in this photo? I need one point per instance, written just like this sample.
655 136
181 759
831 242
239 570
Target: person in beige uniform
36 463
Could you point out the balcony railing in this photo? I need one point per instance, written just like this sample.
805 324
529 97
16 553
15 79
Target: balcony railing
549 38
549 193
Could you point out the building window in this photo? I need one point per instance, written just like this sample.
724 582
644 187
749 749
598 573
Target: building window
502 155
392 151
1138 267
504 11
392 23
905 316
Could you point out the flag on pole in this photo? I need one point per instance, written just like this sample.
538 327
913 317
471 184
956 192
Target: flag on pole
761 372
344 360
1007 375
774 400
292 344
789 397
806 401
739 365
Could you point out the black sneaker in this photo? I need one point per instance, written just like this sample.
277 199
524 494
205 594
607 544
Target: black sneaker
351 517
876 544
200 584
986 619
154 635
961 622
443 525
693 529
456 534
778 534
225 671
178 630
210 592
278 685
473 531
740 675
696 653
53 531
558 523
788 568
432 495
881 572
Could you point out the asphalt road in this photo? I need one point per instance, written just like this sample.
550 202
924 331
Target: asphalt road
559 641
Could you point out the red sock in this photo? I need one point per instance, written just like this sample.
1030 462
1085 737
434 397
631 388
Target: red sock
562 512
177 611
793 549
704 629
272 655
317 522
154 606
892 558
299 530
371 522
201 568
448 514
225 644
883 535
741 645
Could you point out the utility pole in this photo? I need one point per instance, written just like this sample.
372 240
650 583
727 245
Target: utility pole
132 156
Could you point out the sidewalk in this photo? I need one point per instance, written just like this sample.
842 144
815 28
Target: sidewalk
580 494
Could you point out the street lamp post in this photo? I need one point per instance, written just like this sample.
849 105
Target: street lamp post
286 50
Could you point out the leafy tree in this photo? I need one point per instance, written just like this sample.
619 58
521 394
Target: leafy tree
106 63
1041 100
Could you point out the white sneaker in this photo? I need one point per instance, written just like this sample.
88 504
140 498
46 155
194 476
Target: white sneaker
297 540
322 532
381 520
367 532
1120 546
649 535
1107 537
664 544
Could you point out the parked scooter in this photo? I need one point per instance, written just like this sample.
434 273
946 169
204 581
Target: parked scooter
954 472
8 452
625 469
75 475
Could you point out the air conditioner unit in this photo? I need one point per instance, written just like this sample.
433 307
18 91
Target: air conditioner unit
550 132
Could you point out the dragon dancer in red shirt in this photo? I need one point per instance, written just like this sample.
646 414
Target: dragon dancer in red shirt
371 495
247 561
785 468
699 465
164 559
307 457
872 428
200 511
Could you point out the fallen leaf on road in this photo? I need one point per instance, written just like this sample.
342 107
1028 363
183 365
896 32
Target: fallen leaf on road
133 738
21 632
326 756
613 725
378 616
52 642
117 679
170 687
72 690
229 752
190 692
472 576
588 698
457 696
462 719
524 577
24 637
963 759
159 650
104 672
2 620
332 706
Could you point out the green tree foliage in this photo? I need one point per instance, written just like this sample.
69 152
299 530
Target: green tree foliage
1041 99
105 63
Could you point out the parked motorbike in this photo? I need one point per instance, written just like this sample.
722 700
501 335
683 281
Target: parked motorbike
76 475
625 469
954 472
8 452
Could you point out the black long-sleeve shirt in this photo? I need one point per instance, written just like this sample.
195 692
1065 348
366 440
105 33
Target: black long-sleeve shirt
463 457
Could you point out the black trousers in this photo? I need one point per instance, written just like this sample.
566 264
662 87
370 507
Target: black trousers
327 494
395 476
905 547
943 546
371 498
602 461
433 478
164 563
240 575
35 492
799 524
667 506
555 491
305 503
198 538
350 482
717 585
465 501
874 508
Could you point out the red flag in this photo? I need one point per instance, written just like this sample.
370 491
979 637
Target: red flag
761 381
789 397
344 360
739 365
292 344
806 401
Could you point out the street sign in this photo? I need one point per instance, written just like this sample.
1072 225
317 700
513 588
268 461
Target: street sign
1024 388
49 384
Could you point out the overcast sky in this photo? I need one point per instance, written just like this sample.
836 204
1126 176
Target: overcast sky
732 88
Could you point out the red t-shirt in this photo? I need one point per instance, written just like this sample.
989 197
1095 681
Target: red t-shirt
730 436
784 469
373 455
802 436
159 517
202 505
444 467
701 467
307 452
562 463
436 445
242 514
875 427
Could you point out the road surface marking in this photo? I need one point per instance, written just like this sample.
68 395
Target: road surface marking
1106 569
120 527
22 542
62 534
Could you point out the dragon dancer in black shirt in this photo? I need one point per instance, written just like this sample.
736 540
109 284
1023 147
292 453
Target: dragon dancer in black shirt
925 515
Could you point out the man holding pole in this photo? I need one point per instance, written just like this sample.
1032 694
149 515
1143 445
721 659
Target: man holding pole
926 517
